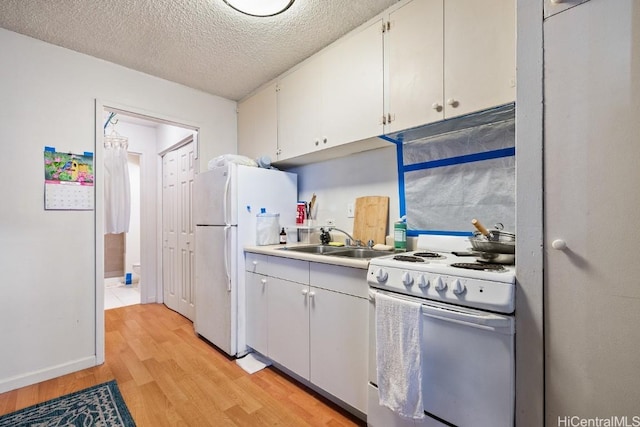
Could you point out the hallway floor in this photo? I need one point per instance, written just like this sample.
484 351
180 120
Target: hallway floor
117 294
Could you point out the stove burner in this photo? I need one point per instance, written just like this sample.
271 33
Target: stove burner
432 255
478 266
408 258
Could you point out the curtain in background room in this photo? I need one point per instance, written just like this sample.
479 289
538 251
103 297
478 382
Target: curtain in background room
117 198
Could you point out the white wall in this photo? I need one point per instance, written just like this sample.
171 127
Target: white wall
48 262
340 181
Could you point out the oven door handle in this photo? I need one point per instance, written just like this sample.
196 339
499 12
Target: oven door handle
471 318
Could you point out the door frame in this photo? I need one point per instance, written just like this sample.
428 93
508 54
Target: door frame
156 246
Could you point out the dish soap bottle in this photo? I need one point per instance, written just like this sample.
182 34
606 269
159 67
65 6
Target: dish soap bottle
400 234
283 237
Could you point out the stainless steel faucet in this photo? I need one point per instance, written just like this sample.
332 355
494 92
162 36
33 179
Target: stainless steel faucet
349 240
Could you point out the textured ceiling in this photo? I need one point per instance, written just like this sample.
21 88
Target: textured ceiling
203 44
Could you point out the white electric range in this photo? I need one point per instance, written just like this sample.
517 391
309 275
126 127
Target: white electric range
467 338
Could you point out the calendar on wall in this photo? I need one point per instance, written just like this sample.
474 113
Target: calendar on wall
68 180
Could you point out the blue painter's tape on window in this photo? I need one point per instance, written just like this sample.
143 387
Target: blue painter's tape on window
468 158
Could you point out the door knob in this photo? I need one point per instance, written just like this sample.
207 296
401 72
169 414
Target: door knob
559 244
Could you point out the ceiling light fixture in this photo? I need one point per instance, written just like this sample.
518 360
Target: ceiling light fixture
260 8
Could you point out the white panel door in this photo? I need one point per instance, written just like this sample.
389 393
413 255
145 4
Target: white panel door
178 230
170 229
186 229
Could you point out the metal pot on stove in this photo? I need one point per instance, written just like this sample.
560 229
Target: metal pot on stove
494 246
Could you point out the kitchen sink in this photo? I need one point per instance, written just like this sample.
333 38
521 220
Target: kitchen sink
341 251
314 249
360 253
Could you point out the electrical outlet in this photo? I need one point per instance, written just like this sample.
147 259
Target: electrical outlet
349 210
331 222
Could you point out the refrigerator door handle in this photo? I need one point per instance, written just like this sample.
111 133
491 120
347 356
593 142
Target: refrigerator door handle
225 199
227 250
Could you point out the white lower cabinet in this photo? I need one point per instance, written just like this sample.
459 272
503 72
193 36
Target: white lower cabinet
256 301
312 319
338 330
288 320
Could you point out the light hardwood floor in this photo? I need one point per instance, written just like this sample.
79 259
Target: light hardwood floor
168 376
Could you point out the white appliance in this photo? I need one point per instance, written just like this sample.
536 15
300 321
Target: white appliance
226 202
467 343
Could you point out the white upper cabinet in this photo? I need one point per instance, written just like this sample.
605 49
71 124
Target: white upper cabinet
421 62
447 58
299 104
335 97
479 55
414 57
257 124
352 87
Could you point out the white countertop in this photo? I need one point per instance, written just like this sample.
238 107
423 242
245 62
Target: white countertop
276 250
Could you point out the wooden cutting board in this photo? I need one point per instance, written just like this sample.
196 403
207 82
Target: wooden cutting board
370 219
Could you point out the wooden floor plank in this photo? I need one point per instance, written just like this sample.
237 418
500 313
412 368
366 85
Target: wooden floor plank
169 376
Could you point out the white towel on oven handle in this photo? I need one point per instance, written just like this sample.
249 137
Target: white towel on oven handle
399 355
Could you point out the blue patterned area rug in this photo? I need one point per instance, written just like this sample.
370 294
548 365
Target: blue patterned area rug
100 405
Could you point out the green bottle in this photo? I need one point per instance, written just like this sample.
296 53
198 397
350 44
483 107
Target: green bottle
400 234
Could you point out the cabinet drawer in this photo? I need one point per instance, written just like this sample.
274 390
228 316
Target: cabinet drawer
347 280
256 263
289 269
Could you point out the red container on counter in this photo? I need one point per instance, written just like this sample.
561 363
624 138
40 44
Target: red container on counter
302 213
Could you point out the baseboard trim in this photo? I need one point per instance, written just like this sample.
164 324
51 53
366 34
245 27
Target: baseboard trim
12 383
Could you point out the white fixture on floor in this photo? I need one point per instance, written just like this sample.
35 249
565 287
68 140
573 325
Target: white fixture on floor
136 270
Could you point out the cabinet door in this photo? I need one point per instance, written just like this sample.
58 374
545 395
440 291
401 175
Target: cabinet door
414 57
256 299
299 105
288 325
339 338
479 54
258 124
352 87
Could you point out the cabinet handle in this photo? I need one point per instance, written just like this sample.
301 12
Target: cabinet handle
317 142
312 294
384 119
559 244
436 106
255 262
452 102
324 140
388 117
263 281
305 292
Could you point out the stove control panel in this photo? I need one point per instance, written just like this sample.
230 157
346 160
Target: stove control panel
468 292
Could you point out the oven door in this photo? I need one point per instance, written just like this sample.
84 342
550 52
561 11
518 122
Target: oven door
468 365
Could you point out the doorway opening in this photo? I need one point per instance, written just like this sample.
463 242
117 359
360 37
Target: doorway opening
150 139
122 250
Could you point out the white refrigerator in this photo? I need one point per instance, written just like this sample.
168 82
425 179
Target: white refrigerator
226 202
